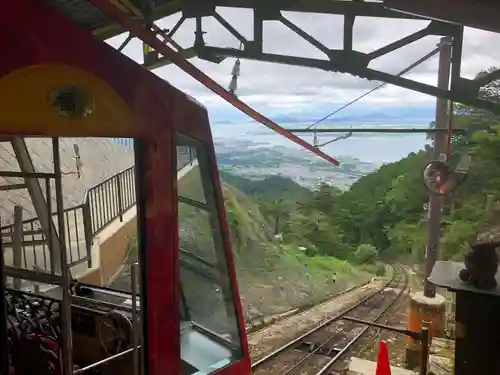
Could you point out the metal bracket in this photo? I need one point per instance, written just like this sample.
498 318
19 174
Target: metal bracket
41 205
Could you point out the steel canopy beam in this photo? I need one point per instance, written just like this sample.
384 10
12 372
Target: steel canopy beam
460 96
478 14
359 8
188 8
345 60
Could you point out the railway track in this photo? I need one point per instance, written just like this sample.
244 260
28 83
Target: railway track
262 321
319 350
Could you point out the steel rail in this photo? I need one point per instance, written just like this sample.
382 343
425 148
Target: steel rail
348 346
337 317
299 309
336 335
351 342
161 46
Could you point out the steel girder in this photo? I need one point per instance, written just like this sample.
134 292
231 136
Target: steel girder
345 60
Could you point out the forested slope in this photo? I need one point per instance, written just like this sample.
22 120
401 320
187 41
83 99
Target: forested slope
386 208
276 275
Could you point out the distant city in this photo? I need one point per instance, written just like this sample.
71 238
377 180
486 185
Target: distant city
256 160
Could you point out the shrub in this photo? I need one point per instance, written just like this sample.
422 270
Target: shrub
365 254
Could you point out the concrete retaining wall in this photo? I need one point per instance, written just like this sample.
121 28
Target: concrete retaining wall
101 159
110 250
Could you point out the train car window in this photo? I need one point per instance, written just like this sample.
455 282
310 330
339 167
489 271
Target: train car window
210 337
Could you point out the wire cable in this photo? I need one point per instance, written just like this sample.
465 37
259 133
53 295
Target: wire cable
404 71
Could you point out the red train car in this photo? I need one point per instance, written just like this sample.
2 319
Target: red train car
56 80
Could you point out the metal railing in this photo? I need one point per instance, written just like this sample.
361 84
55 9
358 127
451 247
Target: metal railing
34 247
102 204
110 199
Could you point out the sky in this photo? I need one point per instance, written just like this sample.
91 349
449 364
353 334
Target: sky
297 96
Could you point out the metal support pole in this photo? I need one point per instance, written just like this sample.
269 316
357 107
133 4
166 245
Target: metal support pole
4 348
67 339
440 142
134 276
424 342
87 230
39 202
17 243
119 200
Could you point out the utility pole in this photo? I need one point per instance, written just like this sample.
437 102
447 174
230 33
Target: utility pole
439 153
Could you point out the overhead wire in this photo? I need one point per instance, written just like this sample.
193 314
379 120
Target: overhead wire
404 71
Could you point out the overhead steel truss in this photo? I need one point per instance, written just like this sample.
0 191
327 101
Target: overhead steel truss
345 60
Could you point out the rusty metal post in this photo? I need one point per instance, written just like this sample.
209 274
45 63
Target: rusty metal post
439 153
424 342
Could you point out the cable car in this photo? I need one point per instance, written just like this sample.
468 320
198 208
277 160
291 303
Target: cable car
183 314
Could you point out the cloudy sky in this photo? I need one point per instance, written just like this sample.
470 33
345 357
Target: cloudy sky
296 96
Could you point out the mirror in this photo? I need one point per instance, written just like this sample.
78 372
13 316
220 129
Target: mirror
441 179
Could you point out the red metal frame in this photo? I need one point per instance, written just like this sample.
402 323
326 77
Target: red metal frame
36 35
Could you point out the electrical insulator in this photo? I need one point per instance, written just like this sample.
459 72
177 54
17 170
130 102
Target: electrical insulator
236 68
233 86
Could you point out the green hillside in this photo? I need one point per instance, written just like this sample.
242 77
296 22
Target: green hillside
272 187
273 275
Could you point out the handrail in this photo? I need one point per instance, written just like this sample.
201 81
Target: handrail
110 199
106 208
85 197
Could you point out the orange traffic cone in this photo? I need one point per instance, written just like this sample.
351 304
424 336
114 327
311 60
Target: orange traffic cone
383 365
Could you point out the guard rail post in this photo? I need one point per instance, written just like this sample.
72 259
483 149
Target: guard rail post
424 342
87 229
17 243
119 196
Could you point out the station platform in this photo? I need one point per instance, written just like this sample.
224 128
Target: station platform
358 366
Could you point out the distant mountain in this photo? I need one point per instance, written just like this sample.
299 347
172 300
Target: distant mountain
351 115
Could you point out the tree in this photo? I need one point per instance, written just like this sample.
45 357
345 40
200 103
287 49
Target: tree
365 254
